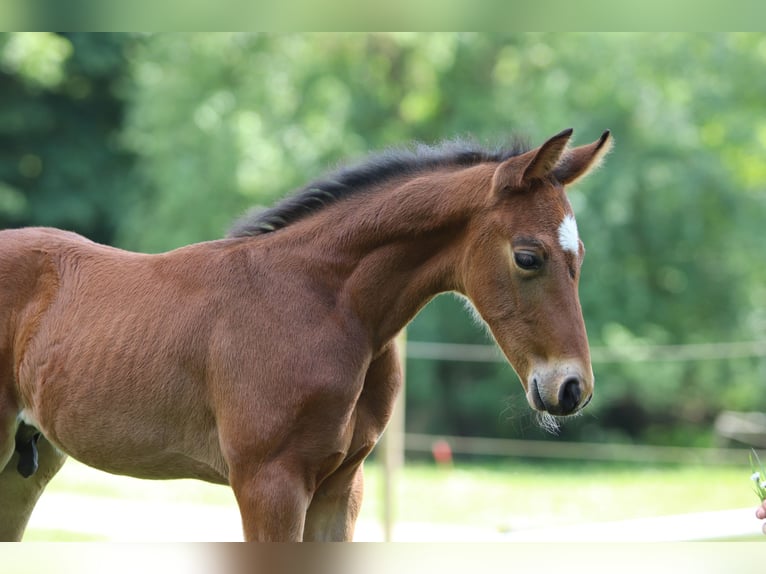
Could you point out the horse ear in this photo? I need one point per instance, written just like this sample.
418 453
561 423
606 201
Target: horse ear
546 156
581 160
535 164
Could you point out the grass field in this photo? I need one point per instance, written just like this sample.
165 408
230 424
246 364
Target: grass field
527 494
85 504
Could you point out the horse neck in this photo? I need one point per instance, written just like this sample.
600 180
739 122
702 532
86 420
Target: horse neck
402 245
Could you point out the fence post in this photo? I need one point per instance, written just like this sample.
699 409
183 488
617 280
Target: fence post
392 447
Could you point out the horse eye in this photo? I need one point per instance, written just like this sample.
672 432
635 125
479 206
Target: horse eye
527 260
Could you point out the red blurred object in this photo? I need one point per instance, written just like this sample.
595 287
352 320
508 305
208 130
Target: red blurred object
442 452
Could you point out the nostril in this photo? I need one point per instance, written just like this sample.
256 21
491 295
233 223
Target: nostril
537 399
570 394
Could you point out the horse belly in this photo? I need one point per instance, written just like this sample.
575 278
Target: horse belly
143 447
102 413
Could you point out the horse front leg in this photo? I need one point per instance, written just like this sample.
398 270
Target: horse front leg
333 511
336 504
19 495
272 501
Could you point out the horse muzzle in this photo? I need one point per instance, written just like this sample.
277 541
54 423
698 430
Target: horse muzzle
561 389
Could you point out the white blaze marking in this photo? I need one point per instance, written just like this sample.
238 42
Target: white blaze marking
568 236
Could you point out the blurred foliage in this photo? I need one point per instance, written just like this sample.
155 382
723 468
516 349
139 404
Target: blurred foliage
154 141
61 113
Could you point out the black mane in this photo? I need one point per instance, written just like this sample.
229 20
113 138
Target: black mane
373 170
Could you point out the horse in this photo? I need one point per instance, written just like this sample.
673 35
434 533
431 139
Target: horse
267 360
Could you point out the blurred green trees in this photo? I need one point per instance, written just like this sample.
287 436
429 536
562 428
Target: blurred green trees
61 115
154 141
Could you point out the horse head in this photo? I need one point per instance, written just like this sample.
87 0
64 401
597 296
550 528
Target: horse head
523 268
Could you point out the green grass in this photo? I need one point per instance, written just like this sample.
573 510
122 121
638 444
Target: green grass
521 495
504 496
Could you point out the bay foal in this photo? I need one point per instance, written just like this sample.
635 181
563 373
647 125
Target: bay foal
267 360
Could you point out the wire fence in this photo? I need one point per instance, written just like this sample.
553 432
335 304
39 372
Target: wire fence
580 451
623 354
418 443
